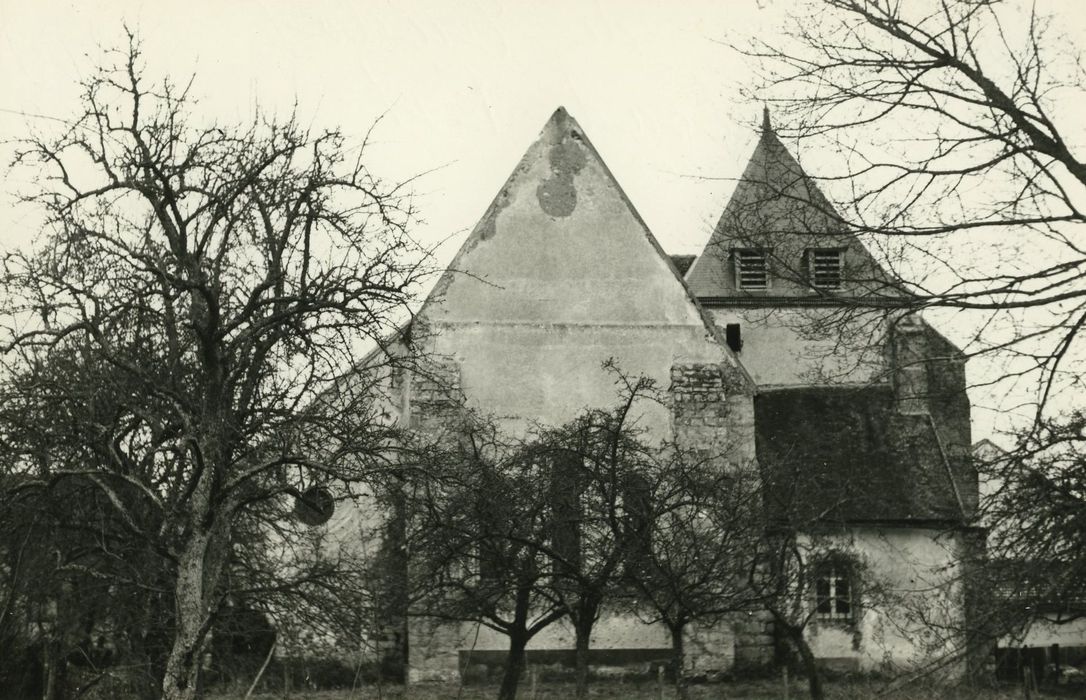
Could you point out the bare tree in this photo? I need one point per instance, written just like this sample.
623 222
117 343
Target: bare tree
597 460
1035 504
199 295
784 579
788 581
701 528
53 596
479 530
962 167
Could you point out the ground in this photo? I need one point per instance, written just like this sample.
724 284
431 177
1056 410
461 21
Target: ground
650 691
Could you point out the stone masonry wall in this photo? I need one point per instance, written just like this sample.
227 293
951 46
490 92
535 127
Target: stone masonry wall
433 395
712 410
713 413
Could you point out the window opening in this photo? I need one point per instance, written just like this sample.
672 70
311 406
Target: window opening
824 268
751 269
833 593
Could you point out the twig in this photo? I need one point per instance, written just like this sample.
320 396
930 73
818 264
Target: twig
263 666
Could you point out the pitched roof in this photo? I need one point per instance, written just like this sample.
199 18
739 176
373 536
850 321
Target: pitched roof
778 207
845 454
987 451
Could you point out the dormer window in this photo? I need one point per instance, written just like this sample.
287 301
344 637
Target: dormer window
751 269
824 267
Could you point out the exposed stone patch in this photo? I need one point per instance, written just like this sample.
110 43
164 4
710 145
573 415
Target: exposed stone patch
557 194
700 411
488 225
436 397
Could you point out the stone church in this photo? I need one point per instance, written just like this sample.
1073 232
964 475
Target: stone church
769 338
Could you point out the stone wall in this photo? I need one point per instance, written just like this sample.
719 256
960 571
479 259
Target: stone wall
712 411
434 397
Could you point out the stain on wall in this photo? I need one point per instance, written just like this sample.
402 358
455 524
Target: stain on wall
557 194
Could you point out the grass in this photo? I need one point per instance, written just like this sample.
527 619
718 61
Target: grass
613 690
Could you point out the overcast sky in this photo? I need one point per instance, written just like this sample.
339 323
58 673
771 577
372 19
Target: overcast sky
464 86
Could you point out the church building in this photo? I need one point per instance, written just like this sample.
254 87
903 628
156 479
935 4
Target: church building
784 339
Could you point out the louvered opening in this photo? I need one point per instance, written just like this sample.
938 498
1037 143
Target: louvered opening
825 268
751 269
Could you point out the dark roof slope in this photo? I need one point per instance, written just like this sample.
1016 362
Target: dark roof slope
845 454
682 263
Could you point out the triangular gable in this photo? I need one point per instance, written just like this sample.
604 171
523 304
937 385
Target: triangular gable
562 244
777 207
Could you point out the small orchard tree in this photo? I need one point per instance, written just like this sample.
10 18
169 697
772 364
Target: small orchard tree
595 465
785 579
56 590
179 336
700 527
1036 507
479 531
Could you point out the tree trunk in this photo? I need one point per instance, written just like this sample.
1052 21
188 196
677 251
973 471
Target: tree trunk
52 663
183 662
515 664
582 640
678 660
587 611
810 663
199 570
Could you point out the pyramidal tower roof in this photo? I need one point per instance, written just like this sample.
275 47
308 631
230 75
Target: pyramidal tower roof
777 207
562 244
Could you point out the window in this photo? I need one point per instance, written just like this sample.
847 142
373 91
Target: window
733 336
636 516
824 268
751 269
833 592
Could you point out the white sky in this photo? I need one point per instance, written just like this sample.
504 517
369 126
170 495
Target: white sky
465 86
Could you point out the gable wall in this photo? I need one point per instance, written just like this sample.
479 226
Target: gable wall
560 275
796 346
